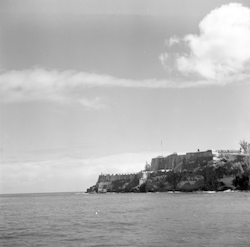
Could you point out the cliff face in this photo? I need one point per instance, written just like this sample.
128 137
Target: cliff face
193 172
117 183
232 172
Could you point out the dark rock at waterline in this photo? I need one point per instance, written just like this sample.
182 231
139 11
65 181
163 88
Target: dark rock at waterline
92 189
241 182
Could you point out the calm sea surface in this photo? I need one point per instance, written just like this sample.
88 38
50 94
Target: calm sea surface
152 219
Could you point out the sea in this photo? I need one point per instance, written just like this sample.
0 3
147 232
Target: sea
147 219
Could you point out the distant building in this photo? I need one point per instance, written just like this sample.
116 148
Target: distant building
189 161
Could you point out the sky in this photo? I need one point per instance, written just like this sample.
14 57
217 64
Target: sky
91 87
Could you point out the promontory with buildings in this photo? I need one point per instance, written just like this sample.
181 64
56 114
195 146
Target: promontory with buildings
211 170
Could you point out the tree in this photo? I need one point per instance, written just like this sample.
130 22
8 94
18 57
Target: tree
147 167
245 146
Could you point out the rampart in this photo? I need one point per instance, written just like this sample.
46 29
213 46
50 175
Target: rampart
190 161
115 177
180 162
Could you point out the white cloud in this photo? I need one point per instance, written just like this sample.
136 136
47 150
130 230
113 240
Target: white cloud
44 85
68 86
221 51
172 41
95 103
164 60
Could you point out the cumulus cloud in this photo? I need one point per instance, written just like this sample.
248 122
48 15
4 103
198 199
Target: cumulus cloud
221 51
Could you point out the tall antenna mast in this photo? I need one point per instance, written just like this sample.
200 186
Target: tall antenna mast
161 149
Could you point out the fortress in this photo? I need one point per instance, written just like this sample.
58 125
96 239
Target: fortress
189 162
176 162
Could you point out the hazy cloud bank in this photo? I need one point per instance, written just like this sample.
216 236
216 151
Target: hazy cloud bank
67 174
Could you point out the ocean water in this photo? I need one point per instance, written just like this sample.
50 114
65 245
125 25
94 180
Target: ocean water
151 219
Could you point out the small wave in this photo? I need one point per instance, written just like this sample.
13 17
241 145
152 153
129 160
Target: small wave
229 190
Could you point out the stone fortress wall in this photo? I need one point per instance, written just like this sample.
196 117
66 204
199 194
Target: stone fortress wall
189 161
115 177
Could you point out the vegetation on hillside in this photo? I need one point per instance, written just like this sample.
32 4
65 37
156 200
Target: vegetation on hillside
245 146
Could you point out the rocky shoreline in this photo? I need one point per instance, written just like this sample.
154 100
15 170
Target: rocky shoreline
220 174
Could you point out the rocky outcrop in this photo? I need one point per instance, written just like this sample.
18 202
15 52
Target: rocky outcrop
160 181
125 184
232 172
92 189
191 182
223 173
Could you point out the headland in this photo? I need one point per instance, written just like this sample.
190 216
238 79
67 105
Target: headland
211 170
